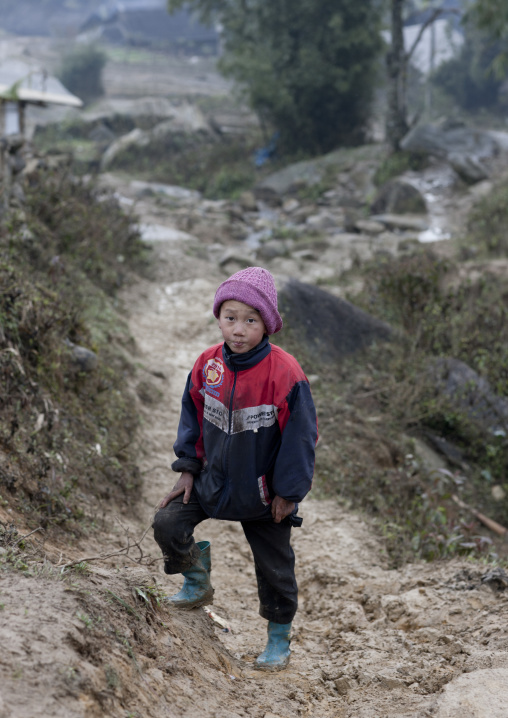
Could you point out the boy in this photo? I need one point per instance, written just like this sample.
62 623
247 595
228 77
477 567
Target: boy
245 449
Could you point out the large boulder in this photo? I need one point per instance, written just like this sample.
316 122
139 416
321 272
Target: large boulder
398 197
479 694
449 137
330 328
357 164
470 394
463 147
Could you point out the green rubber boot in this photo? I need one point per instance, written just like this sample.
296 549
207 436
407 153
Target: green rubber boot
197 589
275 657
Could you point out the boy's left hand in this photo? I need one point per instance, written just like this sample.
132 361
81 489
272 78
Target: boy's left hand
281 508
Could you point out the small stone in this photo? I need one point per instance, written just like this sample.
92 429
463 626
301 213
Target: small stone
390 682
369 226
304 254
324 220
342 685
290 205
498 493
233 256
248 202
85 359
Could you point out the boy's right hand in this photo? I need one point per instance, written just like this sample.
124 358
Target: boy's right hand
183 486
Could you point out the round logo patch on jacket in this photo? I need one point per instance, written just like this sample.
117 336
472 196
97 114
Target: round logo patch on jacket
213 372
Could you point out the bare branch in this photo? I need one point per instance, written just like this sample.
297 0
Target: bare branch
430 20
124 551
16 543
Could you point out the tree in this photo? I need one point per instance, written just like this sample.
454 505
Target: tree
491 16
307 67
469 78
397 62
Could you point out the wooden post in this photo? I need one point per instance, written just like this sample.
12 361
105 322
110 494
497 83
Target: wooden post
21 118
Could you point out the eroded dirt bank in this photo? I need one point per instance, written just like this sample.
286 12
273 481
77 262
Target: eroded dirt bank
430 639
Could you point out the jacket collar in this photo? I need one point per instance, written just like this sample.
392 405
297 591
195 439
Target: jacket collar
239 362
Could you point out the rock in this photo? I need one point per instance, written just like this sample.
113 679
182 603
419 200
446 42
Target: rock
351 217
402 222
342 685
461 146
480 694
248 202
101 134
305 254
398 197
322 221
309 173
328 327
450 138
470 169
290 205
273 248
85 359
233 256
453 454
498 493
369 226
471 394
136 138
143 189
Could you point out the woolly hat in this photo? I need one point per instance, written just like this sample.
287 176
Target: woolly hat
253 286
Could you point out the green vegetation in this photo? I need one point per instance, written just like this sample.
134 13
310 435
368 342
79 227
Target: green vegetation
81 71
396 164
306 67
488 221
469 78
66 428
375 410
217 168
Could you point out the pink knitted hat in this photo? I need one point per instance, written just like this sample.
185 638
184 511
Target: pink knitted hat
253 286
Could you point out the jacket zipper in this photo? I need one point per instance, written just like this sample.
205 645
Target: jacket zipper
224 450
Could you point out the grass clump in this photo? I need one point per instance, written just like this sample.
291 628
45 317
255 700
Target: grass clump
488 221
377 409
396 164
65 430
218 168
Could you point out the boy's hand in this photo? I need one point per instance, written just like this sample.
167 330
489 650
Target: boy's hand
183 486
281 508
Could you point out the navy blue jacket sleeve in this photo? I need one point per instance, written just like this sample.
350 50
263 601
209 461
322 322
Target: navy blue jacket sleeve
189 435
294 467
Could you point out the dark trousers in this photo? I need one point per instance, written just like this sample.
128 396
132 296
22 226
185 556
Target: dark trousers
274 558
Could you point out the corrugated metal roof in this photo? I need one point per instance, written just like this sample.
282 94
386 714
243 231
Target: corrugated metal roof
22 81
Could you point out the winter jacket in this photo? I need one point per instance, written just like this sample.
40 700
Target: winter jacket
247 431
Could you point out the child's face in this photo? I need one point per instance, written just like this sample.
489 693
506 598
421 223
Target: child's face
241 326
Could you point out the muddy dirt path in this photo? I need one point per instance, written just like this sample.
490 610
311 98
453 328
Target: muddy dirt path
368 641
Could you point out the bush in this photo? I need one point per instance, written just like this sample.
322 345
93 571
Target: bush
488 222
469 78
81 71
66 434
